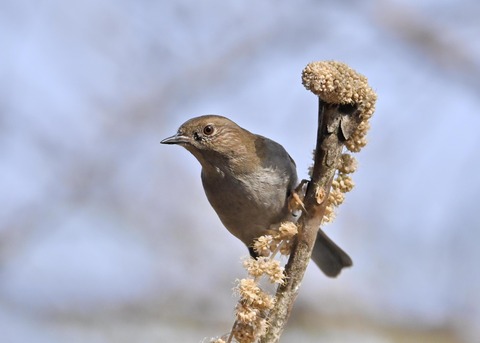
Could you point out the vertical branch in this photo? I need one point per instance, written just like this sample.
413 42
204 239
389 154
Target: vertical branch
346 102
327 153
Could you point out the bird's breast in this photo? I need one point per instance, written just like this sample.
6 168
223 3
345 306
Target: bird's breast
248 203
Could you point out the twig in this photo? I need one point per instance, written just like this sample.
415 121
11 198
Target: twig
328 151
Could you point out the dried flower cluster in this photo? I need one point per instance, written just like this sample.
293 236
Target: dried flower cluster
342 184
336 83
255 303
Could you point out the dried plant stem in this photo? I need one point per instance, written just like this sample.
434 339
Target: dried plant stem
230 336
328 150
257 278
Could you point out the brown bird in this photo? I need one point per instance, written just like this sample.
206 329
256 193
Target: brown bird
248 180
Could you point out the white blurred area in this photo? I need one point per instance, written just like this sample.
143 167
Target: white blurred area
106 235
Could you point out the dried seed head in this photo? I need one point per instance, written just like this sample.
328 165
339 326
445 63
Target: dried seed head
264 302
274 271
343 183
244 333
264 266
264 245
336 83
287 231
359 137
329 215
253 266
261 327
248 290
336 197
348 164
246 314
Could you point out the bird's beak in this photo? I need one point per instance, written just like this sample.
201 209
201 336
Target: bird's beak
176 139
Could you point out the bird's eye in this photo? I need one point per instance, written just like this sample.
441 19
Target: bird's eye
208 130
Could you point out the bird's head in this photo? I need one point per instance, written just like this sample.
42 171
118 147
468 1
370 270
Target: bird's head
213 139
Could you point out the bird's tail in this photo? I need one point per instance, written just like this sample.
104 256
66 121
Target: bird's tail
328 256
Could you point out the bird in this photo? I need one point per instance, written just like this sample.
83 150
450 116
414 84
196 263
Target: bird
248 180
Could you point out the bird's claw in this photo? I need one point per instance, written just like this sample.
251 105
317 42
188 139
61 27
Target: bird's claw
295 202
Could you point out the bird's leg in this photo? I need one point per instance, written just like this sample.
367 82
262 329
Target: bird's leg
295 201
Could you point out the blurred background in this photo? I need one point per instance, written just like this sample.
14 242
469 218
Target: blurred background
107 236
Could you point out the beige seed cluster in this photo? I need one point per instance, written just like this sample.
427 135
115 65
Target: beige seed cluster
280 240
254 304
264 245
348 164
264 266
341 184
336 83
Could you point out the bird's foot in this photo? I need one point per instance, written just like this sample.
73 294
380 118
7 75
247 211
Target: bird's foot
295 201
